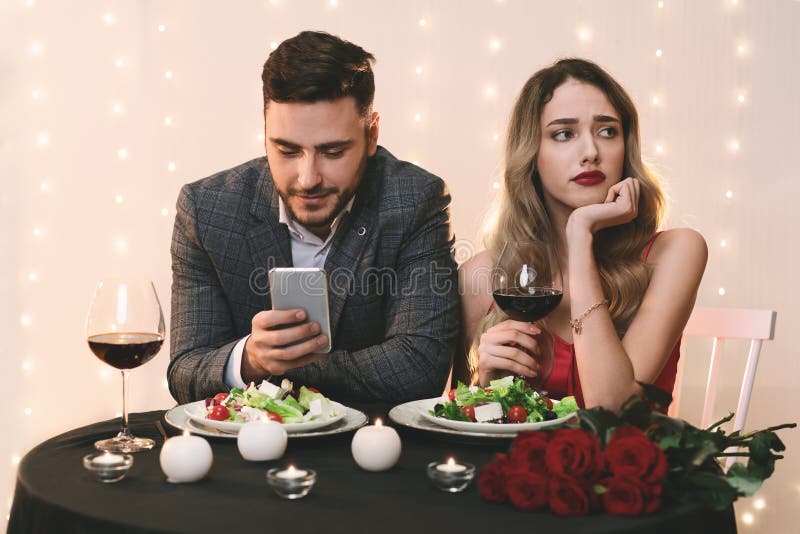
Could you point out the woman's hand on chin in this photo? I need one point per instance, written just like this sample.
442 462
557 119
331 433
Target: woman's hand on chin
508 348
620 206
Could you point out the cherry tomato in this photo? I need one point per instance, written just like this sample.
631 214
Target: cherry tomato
487 390
218 413
219 398
451 394
517 414
548 402
275 417
469 411
313 390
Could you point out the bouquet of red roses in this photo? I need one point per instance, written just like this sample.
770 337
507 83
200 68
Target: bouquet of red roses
626 464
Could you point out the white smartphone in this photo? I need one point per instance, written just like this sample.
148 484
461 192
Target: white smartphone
305 288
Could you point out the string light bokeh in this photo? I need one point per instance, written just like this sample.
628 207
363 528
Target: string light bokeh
111 110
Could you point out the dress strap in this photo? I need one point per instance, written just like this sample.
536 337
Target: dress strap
649 246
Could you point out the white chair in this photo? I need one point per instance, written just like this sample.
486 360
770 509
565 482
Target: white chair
721 324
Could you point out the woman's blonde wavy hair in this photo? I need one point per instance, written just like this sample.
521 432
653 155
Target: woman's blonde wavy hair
521 214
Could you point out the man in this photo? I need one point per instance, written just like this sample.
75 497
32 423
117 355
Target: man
326 195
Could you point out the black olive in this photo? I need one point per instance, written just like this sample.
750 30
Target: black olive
438 407
549 415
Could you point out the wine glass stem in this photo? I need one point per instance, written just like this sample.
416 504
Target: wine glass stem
124 431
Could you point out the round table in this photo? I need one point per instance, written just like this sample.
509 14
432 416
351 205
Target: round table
55 494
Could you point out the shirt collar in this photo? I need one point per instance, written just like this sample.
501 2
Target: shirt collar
300 231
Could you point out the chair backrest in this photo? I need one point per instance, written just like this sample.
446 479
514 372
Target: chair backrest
721 324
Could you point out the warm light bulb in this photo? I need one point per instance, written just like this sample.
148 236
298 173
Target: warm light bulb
495 45
418 70
721 292
122 153
32 276
162 28
30 3
496 185
423 23
44 187
418 117
333 3
119 199
723 243
741 48
117 108
759 504
36 94
119 63
495 137
164 212
42 139
273 45
490 91
659 53
741 98
28 411
260 137
168 75
121 246
27 366
167 121
171 166
747 518
105 373
108 18
37 232
660 4
656 100
37 48
15 459
733 145
729 194
584 33
25 320
165 384
659 149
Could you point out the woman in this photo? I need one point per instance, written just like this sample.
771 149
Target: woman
574 179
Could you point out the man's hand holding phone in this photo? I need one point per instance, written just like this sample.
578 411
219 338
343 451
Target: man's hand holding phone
280 340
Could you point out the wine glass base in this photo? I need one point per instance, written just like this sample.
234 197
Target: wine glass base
126 444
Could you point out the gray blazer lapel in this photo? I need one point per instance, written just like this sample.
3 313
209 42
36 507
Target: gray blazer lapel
348 245
269 241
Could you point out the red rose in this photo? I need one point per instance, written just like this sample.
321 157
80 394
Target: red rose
492 482
528 450
574 451
631 454
630 496
568 496
527 491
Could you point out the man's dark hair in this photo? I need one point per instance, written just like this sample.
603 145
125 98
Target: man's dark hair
315 66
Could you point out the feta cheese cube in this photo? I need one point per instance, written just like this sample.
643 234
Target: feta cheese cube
287 385
488 412
270 390
320 408
473 389
253 414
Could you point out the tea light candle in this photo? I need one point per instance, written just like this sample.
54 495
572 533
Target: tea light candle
291 473
451 467
108 467
376 447
185 458
108 458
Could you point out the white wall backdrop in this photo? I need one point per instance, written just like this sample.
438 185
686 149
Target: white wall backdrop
107 107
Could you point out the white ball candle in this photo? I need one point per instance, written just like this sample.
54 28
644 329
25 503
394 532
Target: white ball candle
261 440
376 447
185 458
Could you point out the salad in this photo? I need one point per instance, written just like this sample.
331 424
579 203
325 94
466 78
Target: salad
269 402
506 400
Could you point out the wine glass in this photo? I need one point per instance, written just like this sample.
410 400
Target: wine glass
125 329
526 285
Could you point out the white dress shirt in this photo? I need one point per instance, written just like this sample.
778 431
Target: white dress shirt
308 250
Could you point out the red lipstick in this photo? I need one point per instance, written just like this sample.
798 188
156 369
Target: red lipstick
589 178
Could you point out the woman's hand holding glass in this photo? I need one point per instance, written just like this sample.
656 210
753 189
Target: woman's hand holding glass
508 348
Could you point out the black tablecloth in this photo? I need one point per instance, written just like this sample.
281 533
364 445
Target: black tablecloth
55 494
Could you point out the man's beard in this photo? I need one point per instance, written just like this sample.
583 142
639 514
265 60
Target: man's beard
310 219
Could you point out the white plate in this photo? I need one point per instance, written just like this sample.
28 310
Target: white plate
196 413
415 414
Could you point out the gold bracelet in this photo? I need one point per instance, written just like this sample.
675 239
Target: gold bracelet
577 324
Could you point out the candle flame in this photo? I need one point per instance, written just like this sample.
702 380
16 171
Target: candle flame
378 422
451 461
186 433
291 469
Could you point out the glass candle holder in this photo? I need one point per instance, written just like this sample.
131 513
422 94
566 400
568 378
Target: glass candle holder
451 477
291 483
108 467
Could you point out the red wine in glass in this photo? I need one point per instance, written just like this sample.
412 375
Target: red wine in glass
528 304
125 350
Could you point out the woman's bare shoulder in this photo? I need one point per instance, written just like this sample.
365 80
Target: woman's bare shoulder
679 242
